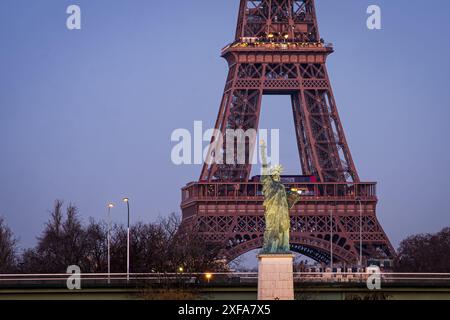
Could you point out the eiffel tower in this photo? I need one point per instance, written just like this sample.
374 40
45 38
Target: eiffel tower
277 50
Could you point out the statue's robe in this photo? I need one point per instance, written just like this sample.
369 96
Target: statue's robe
276 236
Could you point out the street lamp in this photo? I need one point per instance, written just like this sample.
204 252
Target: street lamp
127 201
110 206
360 231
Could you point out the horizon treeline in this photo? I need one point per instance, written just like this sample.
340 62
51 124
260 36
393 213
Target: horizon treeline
164 246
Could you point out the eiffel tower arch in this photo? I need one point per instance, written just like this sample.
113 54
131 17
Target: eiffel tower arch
277 50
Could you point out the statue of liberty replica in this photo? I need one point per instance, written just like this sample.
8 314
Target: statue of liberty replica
275 266
277 202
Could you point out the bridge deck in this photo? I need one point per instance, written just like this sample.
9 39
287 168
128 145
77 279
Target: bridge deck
223 286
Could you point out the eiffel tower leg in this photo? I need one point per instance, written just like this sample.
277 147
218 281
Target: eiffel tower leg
239 111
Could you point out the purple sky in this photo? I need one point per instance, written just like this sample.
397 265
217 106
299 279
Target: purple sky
86 116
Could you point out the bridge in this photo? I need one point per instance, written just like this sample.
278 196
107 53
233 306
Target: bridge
222 286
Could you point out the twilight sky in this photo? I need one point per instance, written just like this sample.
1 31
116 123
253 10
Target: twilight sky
86 116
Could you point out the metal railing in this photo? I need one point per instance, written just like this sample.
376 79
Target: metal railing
277 45
310 191
213 279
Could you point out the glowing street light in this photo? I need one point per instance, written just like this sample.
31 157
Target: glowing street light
298 191
208 276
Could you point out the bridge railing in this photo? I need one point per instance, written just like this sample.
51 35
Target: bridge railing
386 279
251 190
214 279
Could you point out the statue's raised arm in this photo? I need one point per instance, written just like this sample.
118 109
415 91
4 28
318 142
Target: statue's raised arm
265 171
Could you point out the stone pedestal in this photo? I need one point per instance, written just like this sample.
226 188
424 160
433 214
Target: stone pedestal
275 277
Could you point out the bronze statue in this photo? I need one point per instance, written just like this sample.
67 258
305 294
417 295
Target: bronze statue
277 202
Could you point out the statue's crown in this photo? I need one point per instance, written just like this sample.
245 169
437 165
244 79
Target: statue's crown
277 169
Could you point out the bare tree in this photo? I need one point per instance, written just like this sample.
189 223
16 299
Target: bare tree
161 247
8 247
119 249
62 243
147 248
95 247
424 253
188 250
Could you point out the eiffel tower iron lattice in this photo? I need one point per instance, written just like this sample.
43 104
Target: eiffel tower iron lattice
277 50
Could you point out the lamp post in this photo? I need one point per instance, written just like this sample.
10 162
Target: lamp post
360 231
127 201
110 206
